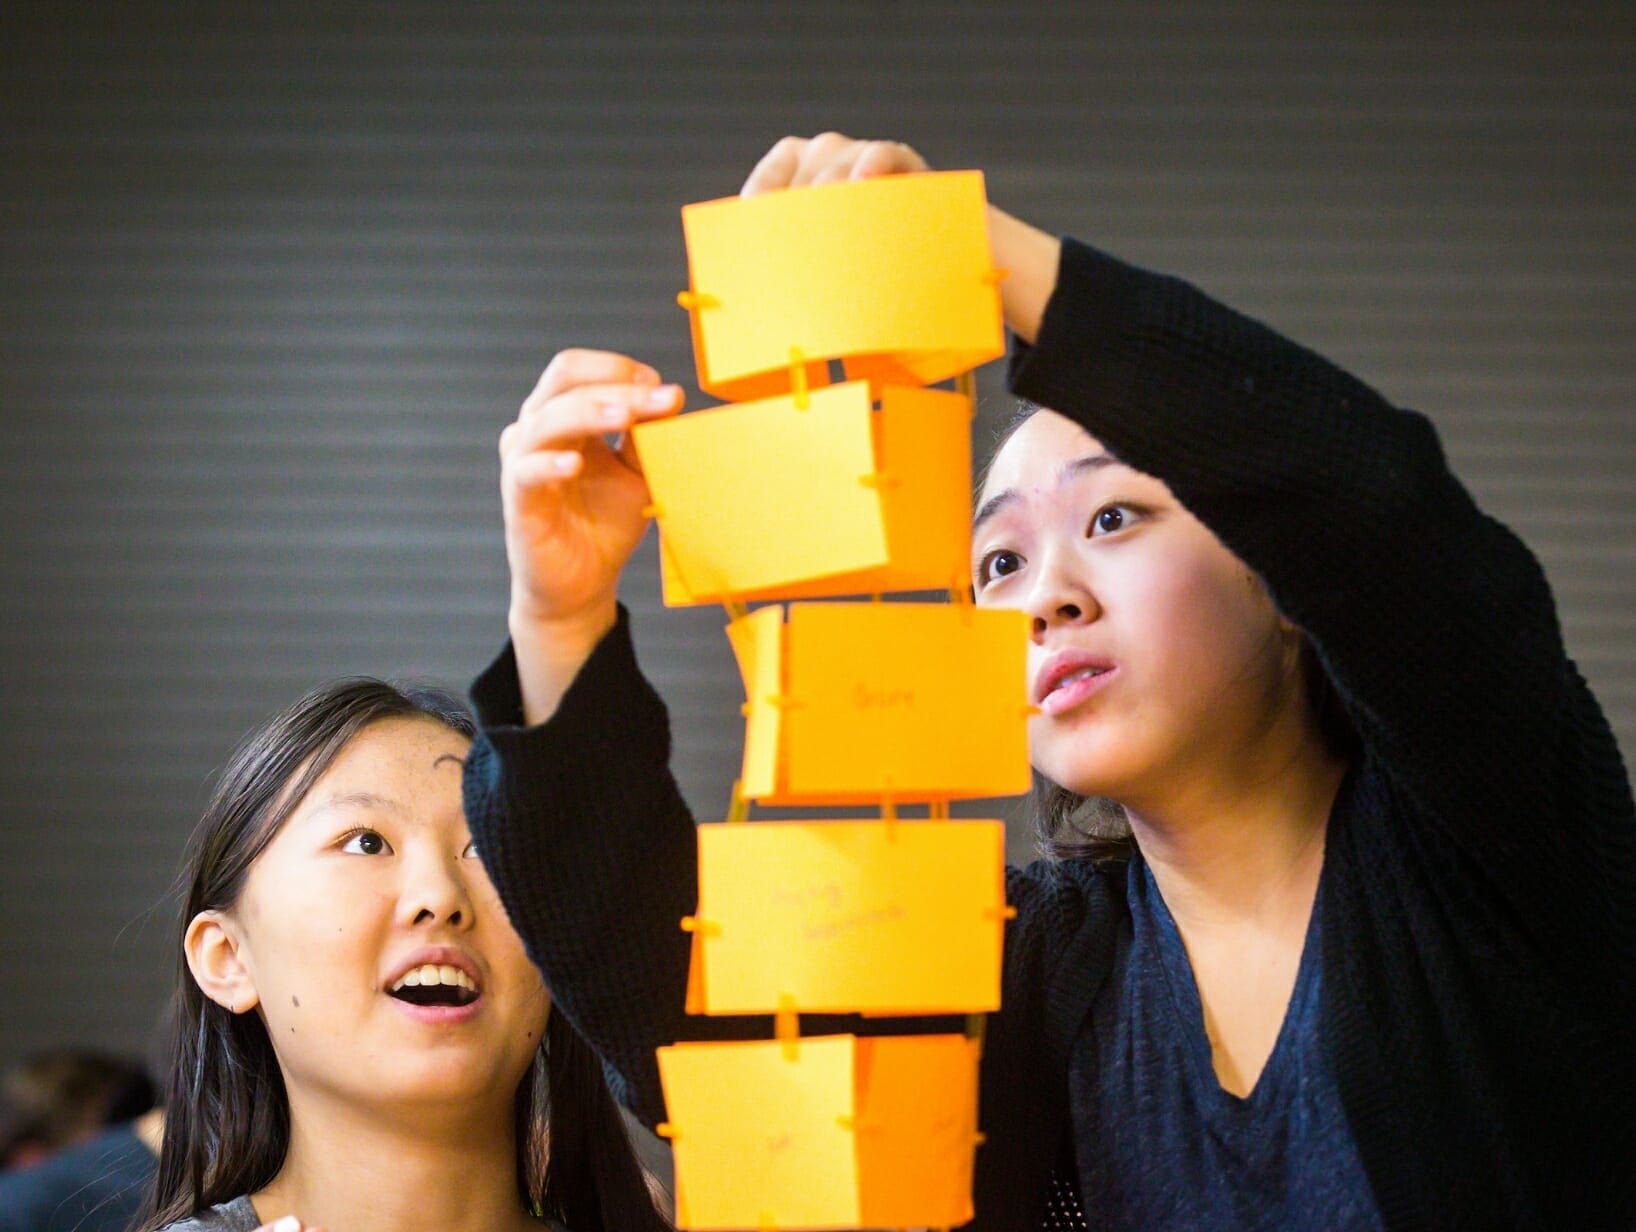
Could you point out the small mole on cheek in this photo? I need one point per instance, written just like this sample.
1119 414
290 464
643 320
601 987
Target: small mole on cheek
295 1001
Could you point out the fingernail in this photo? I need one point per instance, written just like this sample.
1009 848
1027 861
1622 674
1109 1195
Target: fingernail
662 397
645 376
614 415
562 464
288 1224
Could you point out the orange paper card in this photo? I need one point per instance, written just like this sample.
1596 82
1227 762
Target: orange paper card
885 917
838 1132
855 703
765 499
892 275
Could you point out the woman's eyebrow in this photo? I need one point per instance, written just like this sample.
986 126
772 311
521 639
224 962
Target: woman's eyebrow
367 800
992 506
1090 462
1070 470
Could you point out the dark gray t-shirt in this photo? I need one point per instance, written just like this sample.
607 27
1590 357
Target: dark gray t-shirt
239 1216
235 1216
1174 1150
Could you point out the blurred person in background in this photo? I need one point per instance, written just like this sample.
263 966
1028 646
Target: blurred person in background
79 1136
57 1098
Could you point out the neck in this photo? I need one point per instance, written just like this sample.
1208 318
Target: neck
1244 848
396 1169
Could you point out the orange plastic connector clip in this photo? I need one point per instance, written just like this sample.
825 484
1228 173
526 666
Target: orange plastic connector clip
798 379
738 808
977 1031
705 928
787 1026
697 301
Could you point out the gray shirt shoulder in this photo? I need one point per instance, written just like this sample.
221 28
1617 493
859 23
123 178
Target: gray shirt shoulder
239 1216
235 1216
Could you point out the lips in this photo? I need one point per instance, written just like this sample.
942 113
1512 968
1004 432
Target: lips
1067 678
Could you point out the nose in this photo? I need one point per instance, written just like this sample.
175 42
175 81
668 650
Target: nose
1061 592
435 891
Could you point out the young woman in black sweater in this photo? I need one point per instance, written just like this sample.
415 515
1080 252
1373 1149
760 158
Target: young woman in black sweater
1353 946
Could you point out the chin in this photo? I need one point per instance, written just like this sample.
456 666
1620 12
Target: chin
1085 770
446 1073
449 1091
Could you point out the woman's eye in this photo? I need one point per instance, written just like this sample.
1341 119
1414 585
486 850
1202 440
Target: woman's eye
996 565
1110 519
366 843
469 852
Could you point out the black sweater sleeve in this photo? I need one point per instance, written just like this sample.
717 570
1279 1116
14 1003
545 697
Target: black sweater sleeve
1433 620
591 846
593 850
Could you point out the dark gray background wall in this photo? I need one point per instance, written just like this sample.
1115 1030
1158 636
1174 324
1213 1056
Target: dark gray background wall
273 276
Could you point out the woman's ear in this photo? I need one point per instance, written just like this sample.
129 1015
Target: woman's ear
213 948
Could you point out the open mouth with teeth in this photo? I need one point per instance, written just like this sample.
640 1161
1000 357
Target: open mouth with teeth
434 985
1084 673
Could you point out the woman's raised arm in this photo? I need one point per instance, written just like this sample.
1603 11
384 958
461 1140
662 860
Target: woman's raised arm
573 501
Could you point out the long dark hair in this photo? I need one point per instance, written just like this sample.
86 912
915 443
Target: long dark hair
227 1115
1069 826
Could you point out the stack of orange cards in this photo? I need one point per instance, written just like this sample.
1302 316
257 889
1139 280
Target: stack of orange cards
812 488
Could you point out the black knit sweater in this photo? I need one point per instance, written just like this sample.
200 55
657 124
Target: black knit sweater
1479 928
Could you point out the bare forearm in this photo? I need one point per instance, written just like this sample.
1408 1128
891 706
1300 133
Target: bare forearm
1030 258
550 653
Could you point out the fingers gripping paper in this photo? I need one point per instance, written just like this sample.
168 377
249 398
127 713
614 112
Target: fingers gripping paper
891 275
848 1133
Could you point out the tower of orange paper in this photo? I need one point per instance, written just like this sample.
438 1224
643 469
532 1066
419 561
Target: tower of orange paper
814 485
